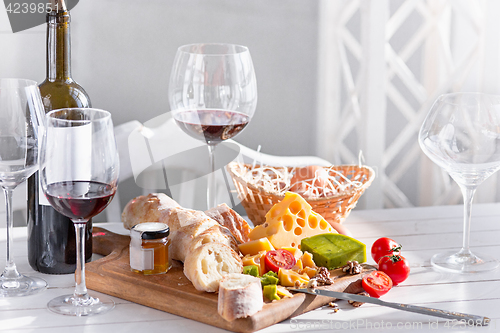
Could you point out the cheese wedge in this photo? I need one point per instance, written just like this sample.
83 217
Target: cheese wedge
255 246
289 221
288 277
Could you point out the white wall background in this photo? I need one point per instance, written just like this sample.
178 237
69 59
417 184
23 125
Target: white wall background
123 51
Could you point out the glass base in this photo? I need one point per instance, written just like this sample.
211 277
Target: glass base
70 305
21 286
464 262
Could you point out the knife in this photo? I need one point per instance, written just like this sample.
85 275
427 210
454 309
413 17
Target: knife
461 317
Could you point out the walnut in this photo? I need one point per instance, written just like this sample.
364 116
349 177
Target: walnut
352 267
323 276
313 283
358 304
334 307
299 284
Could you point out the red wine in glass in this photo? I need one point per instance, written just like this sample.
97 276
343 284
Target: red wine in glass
211 126
79 200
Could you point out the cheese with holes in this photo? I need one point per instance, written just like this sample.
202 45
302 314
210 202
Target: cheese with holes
293 250
289 221
255 246
288 278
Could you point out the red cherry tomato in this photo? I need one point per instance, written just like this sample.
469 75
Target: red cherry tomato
377 283
384 247
277 259
396 267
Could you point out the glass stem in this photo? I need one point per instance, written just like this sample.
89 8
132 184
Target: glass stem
211 195
10 271
80 289
468 194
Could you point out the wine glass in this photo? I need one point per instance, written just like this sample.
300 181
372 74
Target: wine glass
213 95
21 114
79 174
461 134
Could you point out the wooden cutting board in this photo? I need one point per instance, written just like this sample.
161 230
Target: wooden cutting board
173 292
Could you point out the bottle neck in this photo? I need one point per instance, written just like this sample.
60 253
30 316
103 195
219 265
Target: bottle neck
58 46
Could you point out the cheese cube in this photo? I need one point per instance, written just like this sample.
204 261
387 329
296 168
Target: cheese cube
310 271
255 246
298 266
307 260
289 221
334 250
257 260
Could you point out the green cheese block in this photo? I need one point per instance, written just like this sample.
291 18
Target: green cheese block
334 250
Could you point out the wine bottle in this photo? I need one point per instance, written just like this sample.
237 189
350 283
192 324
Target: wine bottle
51 235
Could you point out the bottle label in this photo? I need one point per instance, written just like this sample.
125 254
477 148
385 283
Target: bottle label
141 259
66 164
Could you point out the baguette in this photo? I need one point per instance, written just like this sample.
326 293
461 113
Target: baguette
240 296
208 263
147 208
231 220
214 234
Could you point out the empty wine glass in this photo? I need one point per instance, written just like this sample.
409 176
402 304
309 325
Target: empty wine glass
213 95
461 134
21 114
79 175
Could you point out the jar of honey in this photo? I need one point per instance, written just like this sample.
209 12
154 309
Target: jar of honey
149 248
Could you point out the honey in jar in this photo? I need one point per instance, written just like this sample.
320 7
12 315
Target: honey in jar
149 248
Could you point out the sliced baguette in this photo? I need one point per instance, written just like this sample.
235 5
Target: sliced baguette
240 296
208 263
231 220
214 234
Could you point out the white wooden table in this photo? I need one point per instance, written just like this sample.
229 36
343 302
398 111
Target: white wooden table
421 231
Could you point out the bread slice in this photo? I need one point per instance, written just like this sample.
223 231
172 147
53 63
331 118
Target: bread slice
240 296
182 232
208 263
231 220
214 234
147 208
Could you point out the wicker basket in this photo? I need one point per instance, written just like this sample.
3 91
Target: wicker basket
257 201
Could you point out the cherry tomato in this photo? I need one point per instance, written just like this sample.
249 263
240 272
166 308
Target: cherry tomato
384 247
396 266
277 259
377 283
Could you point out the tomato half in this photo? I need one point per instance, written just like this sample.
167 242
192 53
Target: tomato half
377 283
396 267
384 247
277 259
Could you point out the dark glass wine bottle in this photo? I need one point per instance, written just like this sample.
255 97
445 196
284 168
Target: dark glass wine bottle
51 235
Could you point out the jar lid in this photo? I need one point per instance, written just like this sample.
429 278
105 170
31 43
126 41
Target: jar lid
150 230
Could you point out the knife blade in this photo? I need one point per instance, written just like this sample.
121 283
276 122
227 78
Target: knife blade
450 315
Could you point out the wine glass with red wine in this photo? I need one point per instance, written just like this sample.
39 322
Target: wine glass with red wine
213 95
21 115
79 174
